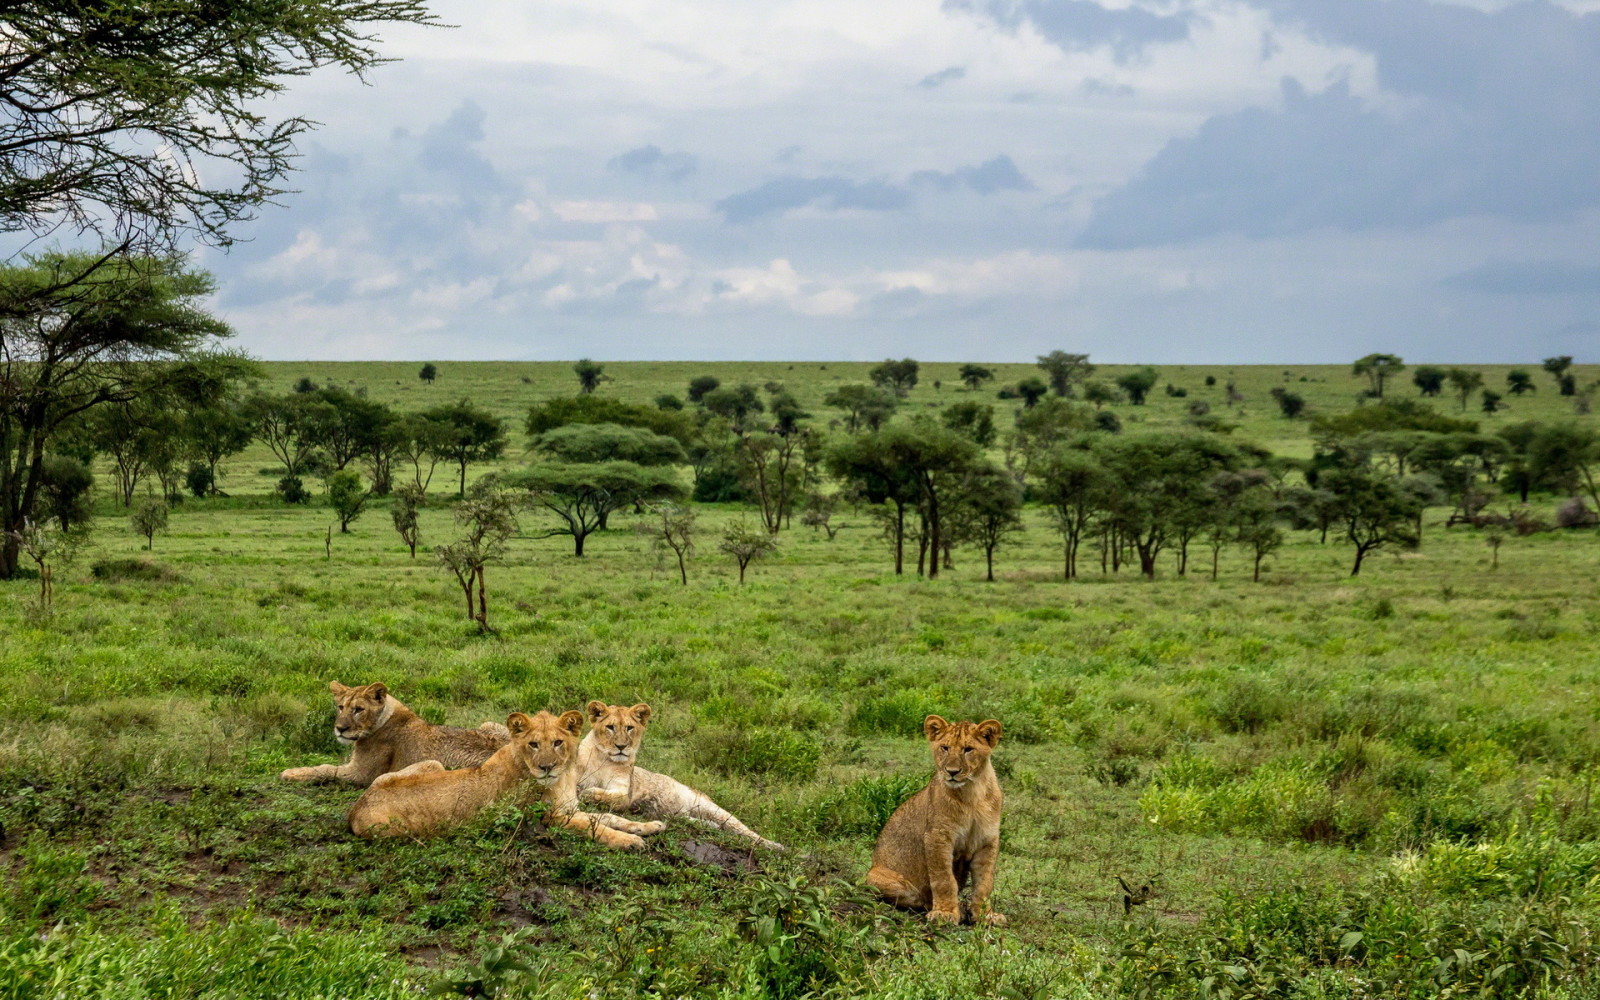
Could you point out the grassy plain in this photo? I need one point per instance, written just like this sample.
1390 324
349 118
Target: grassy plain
1339 788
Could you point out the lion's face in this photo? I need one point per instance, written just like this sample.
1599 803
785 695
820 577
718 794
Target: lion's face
960 749
545 744
618 729
359 711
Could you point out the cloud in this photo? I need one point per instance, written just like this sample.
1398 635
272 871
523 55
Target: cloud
1483 113
1081 25
652 161
604 211
998 174
947 75
1550 277
837 193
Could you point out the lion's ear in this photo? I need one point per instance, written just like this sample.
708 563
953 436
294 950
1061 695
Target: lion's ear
572 722
642 713
518 723
336 687
933 725
989 732
596 709
378 691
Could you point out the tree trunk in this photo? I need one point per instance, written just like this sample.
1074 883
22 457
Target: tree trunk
683 572
1215 553
462 492
1257 577
899 539
483 603
988 555
1361 553
577 543
742 564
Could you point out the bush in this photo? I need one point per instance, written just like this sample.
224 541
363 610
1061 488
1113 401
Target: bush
292 490
1574 513
780 754
198 480
861 808
898 714
134 570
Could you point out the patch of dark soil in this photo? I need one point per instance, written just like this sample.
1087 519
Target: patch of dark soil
711 855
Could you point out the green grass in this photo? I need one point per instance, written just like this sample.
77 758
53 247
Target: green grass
1409 757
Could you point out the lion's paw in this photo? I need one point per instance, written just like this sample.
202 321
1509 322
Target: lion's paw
944 916
654 826
628 842
995 919
296 773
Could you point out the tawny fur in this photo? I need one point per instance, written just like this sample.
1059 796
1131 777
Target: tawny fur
424 798
948 832
386 736
609 776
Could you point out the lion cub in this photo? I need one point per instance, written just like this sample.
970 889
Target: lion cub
387 736
948 831
425 798
607 775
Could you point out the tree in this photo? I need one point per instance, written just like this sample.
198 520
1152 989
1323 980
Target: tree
78 332
973 376
768 466
1493 402
1157 492
590 375
1063 370
667 401
879 483
213 433
1373 508
1519 381
607 443
66 488
138 435
900 377
1290 404
986 510
673 531
818 513
1137 384
735 405
1072 484
563 410
702 384
471 435
149 516
1464 382
348 497
1378 368
140 124
868 407
408 500
1100 393
935 459
746 543
1428 379
421 441
583 495
1557 367
973 419
290 426
488 519
429 372
1030 391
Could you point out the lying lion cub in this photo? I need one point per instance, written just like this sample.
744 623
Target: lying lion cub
425 798
607 775
947 831
388 736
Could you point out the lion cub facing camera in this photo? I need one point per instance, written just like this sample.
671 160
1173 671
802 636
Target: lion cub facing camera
948 832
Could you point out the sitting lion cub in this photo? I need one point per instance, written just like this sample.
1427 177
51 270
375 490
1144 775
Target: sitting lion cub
425 798
388 736
607 775
948 831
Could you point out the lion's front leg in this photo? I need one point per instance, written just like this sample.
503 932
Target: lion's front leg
321 772
605 797
616 822
939 855
983 883
590 826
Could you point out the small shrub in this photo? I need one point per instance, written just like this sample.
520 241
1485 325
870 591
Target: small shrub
861 808
293 490
779 754
131 570
199 480
1574 513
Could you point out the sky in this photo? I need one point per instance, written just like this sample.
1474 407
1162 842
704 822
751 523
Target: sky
1145 181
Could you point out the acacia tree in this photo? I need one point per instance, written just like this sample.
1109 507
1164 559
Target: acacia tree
900 377
973 376
488 520
878 483
866 407
348 497
1157 484
1072 484
1464 382
583 495
1378 368
1137 384
213 433
985 510
1063 370
674 532
467 434
49 549
78 332
590 375
934 459
1374 509
408 500
428 373
1428 379
1557 367
746 543
149 516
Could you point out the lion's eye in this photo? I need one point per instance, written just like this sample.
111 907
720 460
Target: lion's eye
945 749
966 749
630 729
534 744
558 743
357 711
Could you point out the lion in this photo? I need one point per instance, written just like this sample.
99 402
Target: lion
947 832
424 798
608 776
386 736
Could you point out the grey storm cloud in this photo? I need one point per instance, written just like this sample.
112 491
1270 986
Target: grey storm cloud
1548 277
1500 120
653 161
947 75
998 174
1078 25
784 193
